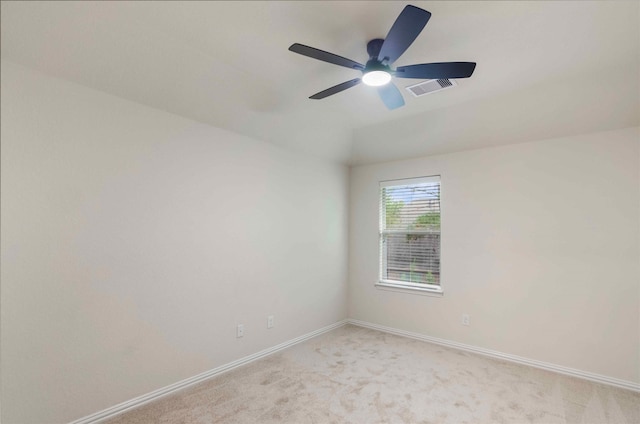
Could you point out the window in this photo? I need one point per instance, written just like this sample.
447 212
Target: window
410 233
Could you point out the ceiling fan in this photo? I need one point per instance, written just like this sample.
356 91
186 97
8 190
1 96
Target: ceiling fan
382 53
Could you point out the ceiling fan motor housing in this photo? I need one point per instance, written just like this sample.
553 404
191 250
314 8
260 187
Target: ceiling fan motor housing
375 65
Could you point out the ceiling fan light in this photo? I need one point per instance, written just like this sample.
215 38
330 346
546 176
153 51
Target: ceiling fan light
376 78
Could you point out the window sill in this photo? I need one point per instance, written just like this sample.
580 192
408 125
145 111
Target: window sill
411 289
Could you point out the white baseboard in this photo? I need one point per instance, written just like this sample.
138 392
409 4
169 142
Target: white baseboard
624 384
149 397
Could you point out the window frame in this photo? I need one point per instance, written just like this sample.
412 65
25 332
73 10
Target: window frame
405 286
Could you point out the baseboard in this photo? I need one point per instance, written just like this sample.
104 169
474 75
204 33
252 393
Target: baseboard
624 384
149 397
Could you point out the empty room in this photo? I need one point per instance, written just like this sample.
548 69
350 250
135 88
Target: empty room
309 212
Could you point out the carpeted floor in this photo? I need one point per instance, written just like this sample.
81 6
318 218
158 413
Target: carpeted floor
361 376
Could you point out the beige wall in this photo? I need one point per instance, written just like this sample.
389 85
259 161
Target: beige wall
540 246
134 241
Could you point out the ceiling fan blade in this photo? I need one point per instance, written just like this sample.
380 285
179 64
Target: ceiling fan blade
437 70
325 56
391 96
403 32
336 89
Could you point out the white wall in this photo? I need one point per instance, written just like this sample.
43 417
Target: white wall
540 245
134 241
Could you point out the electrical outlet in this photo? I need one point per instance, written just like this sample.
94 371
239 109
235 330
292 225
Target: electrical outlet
240 331
270 321
465 319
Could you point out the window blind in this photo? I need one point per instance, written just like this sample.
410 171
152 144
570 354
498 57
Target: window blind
410 231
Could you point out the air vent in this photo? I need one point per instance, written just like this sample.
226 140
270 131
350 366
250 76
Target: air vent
431 86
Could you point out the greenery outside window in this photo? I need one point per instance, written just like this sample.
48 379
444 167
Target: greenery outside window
410 233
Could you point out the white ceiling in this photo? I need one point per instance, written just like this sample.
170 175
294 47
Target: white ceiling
545 69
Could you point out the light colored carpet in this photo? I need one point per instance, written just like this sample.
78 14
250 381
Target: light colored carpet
361 376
